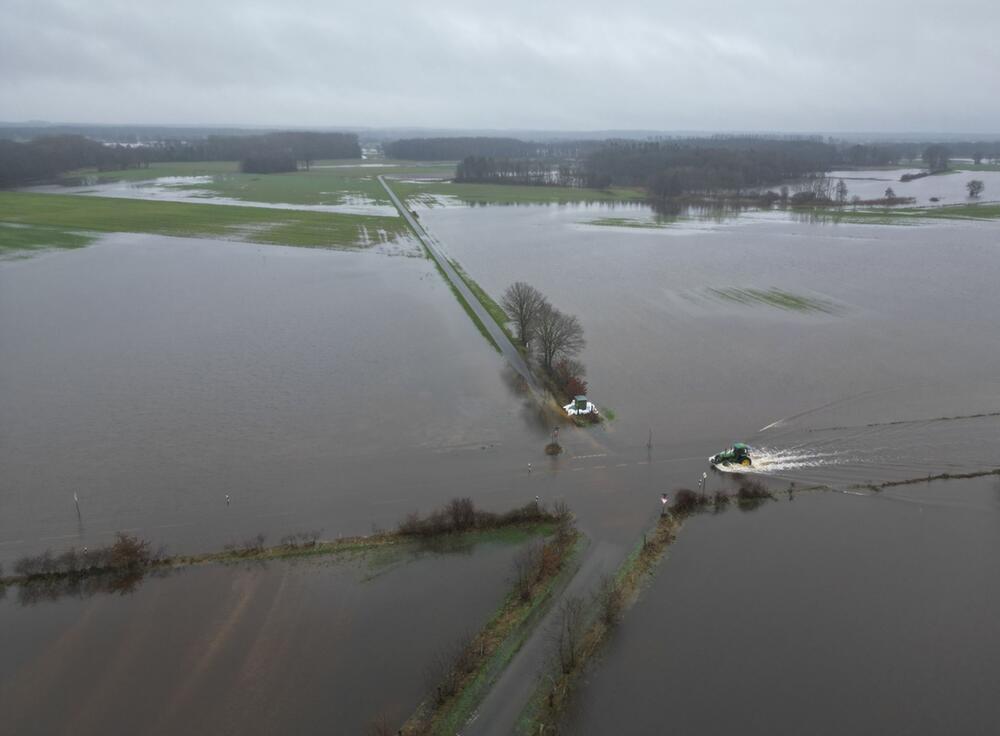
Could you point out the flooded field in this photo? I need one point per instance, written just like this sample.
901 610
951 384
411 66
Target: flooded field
194 189
313 646
829 614
948 188
786 335
153 376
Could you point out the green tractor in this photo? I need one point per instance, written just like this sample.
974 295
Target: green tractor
738 454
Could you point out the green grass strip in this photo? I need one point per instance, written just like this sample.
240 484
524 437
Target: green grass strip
244 224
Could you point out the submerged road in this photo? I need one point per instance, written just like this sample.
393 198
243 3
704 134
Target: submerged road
507 348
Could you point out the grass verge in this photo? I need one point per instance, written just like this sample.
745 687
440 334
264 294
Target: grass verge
495 310
61 212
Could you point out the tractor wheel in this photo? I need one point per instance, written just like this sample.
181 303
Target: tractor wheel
745 462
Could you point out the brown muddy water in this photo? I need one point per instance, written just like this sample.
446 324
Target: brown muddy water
713 332
329 390
829 614
311 646
153 376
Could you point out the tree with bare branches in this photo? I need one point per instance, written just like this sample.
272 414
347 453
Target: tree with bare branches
523 303
558 335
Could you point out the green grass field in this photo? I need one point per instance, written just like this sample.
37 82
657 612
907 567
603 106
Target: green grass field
62 217
26 238
339 182
326 183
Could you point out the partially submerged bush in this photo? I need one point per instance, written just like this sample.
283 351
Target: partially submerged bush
304 540
127 552
687 501
752 493
751 488
461 515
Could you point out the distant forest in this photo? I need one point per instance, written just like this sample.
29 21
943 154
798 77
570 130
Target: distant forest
451 149
677 167
47 156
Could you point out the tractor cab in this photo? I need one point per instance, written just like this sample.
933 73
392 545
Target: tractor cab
738 454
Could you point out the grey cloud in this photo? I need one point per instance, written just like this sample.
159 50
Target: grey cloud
766 65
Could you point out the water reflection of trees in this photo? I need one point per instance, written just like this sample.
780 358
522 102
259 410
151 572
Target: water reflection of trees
48 590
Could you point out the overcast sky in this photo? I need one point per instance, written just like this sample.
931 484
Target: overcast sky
878 65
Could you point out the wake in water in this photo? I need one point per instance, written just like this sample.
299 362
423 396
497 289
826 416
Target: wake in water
769 461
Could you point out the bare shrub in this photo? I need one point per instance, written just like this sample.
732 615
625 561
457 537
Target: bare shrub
129 551
560 509
551 560
610 600
410 525
526 566
720 500
463 513
569 634
253 546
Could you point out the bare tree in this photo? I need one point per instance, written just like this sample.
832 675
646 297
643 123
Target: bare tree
559 335
841 192
522 303
975 187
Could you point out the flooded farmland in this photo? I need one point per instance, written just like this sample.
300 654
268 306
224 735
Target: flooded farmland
153 377
828 614
316 646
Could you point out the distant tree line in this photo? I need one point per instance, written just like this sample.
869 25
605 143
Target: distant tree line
705 166
268 162
304 147
48 156
675 167
539 172
451 149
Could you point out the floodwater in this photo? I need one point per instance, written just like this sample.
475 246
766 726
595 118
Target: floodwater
947 188
888 325
153 376
311 646
336 391
829 614
185 189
